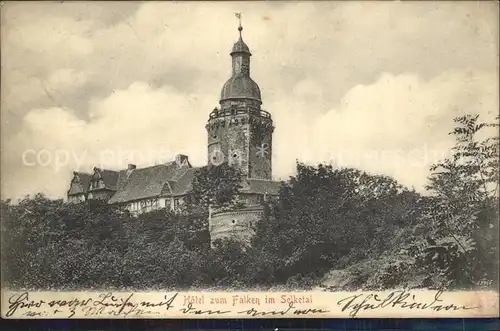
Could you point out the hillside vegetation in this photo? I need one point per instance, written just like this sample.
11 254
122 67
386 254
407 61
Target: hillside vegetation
339 229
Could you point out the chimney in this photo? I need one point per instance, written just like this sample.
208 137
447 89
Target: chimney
131 167
180 159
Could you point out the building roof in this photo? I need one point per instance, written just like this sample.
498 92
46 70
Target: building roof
240 87
261 186
80 183
147 182
172 180
110 178
240 47
184 184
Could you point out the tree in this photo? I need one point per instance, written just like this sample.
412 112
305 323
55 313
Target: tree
328 216
212 187
94 245
52 244
464 240
215 185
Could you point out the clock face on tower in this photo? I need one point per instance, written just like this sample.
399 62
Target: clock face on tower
216 157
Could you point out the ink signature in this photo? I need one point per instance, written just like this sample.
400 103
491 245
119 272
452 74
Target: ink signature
291 309
402 299
107 304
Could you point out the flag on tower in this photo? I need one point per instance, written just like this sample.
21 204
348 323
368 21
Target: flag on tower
238 15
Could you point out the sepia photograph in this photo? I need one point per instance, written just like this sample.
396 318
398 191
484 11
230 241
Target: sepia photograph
264 147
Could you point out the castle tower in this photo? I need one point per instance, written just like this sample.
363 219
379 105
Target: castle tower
239 131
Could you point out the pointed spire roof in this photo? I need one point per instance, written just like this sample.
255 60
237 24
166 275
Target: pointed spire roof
240 85
240 46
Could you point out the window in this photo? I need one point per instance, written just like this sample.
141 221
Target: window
245 69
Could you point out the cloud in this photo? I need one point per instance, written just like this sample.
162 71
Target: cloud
337 77
340 44
399 125
140 124
63 79
396 126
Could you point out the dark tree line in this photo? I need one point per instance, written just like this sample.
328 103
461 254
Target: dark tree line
342 227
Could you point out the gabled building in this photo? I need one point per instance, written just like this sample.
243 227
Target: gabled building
102 184
239 133
159 186
79 186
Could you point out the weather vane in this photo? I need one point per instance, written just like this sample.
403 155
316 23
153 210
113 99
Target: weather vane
238 15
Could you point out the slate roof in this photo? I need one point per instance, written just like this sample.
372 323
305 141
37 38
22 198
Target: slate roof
147 182
184 184
240 86
80 183
170 179
240 47
261 186
110 178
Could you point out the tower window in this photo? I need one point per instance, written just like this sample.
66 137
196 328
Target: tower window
233 221
235 155
214 136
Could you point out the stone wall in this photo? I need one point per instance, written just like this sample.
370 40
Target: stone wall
229 135
237 224
260 148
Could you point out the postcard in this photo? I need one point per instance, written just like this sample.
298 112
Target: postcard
249 160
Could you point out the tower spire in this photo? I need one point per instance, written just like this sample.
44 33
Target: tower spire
240 85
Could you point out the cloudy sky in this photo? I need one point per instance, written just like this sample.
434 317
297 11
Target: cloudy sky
373 85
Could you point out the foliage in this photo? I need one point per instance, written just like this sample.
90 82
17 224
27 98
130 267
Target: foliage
214 185
341 227
462 246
